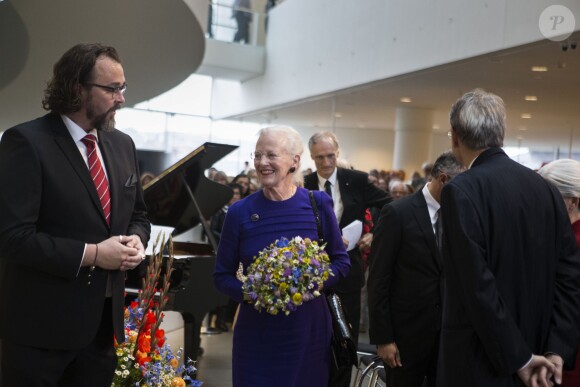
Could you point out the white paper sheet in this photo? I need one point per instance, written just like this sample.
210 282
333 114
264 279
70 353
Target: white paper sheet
352 233
156 230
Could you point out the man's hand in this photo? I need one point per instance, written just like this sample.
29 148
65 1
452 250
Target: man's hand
135 242
120 253
542 375
538 372
390 354
365 241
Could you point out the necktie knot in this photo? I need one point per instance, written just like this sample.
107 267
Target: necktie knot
90 141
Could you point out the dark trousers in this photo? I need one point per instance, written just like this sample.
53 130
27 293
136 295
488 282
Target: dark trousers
243 32
93 366
417 369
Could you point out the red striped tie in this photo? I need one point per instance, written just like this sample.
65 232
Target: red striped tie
98 175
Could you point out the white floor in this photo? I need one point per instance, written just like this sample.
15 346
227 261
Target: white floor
215 366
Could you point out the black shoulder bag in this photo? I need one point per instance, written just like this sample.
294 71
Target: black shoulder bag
342 343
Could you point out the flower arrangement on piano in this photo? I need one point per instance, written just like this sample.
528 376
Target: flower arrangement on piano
286 274
145 358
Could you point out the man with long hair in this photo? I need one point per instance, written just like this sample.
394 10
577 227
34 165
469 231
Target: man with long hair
72 220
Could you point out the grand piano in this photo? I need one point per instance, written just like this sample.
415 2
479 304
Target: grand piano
182 197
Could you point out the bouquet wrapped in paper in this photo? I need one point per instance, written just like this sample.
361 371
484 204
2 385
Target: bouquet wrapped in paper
286 274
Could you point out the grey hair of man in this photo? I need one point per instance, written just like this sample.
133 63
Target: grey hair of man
565 175
291 139
323 136
478 119
446 163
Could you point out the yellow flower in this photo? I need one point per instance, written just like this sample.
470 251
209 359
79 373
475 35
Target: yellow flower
174 363
283 286
297 298
177 382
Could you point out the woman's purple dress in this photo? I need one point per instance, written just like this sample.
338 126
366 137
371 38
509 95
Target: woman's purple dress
279 350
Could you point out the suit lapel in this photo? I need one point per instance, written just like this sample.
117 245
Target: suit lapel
421 215
70 150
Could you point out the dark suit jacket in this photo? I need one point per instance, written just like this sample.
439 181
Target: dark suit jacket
512 274
49 209
404 279
357 195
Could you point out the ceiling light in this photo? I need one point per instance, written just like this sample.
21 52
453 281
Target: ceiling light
520 138
435 127
526 115
522 128
361 126
531 98
337 115
406 100
539 69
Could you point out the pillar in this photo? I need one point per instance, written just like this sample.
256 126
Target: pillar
413 137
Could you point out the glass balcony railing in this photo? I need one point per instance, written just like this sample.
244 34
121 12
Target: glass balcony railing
236 25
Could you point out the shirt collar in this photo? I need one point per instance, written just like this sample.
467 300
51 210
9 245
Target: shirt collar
76 132
332 178
432 204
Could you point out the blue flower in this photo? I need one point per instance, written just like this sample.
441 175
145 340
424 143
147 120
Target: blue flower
282 242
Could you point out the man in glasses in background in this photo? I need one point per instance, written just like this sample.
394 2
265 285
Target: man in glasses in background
352 193
72 220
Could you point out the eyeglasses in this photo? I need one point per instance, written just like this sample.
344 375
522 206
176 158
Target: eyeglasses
112 89
257 156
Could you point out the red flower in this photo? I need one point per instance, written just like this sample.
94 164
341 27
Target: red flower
145 343
160 335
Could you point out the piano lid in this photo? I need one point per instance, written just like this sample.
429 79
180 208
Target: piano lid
167 198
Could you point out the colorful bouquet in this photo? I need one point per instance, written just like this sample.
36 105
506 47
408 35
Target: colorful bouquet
286 274
145 358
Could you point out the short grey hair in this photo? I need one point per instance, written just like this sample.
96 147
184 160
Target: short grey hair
565 175
323 136
478 119
290 138
448 164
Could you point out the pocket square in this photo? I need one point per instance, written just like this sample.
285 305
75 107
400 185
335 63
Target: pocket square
131 181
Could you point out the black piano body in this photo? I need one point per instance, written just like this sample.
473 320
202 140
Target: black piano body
182 197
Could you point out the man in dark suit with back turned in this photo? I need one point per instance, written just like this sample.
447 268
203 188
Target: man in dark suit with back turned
72 220
352 194
511 309
405 281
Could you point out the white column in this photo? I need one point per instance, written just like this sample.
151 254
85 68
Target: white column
413 137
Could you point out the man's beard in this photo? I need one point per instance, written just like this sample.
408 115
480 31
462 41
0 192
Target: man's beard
103 121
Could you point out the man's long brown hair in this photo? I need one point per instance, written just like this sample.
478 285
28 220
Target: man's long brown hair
74 69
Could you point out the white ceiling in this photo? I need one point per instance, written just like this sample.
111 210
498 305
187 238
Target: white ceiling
555 116
34 35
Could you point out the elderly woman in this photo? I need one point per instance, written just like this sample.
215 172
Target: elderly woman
565 175
278 350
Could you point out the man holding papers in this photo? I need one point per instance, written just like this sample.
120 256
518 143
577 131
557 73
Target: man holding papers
352 194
